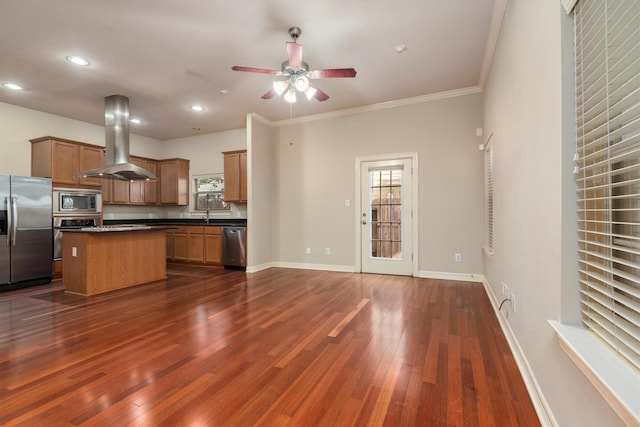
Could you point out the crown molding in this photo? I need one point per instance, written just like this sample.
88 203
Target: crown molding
376 107
497 16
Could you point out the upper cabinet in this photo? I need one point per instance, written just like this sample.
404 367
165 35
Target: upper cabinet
60 159
174 181
235 176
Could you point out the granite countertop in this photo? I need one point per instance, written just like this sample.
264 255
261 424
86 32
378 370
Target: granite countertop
231 222
118 228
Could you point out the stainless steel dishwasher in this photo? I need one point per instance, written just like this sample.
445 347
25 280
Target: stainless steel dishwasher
234 247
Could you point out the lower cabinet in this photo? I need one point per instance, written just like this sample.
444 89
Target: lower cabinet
213 245
196 244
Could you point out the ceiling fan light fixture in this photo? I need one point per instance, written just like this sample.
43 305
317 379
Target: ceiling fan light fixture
310 92
280 86
301 83
290 96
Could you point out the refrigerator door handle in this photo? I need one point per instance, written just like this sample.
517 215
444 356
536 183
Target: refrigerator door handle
9 220
14 219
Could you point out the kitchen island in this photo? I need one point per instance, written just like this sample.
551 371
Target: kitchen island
103 259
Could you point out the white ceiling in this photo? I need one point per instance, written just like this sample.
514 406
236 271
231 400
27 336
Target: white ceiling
166 55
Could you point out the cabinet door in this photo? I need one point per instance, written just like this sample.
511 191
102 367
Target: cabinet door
119 191
174 182
64 161
90 158
136 188
180 246
107 190
151 187
196 244
212 245
232 177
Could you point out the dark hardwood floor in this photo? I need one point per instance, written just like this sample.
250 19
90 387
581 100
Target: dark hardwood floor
211 347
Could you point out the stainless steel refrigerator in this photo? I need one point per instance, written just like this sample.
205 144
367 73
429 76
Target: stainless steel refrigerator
26 237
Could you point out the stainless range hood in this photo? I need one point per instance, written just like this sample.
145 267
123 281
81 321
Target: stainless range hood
116 125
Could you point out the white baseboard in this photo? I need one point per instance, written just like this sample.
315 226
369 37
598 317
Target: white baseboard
460 277
260 267
325 267
537 398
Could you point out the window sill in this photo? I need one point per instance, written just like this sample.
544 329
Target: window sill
618 382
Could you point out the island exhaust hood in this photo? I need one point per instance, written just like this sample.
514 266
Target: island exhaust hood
116 125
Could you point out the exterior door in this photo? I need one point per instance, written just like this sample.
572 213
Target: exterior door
386 217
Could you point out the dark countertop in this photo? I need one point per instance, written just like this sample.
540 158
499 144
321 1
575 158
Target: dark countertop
231 222
118 228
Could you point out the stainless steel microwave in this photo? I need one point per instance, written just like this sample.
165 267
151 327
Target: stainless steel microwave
67 201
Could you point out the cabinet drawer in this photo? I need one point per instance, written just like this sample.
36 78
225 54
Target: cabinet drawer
196 229
181 229
213 229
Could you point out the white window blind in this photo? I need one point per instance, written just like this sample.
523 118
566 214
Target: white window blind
488 192
607 34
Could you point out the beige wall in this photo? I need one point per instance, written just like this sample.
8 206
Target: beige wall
316 174
524 109
263 192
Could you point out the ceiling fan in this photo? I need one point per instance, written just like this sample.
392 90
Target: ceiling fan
295 75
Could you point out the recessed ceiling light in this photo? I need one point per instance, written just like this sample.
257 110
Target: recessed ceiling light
12 86
135 121
78 60
196 108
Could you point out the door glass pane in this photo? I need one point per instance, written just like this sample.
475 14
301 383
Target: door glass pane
386 213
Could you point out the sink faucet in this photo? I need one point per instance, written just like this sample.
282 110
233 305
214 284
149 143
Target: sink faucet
206 219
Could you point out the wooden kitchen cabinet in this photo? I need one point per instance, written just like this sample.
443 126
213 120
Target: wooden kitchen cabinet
180 245
151 187
196 243
213 245
136 188
90 158
119 191
60 159
235 176
174 182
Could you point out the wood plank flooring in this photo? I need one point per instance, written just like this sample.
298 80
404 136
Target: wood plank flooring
281 347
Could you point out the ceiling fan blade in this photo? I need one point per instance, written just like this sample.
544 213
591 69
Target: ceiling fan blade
270 94
320 95
294 53
255 70
332 73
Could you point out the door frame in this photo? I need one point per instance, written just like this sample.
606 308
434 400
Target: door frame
413 156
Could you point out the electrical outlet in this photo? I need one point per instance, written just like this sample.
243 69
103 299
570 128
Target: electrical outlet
513 302
458 257
74 251
308 251
327 251
504 290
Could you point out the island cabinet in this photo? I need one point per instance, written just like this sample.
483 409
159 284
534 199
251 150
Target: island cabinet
61 159
235 176
174 181
197 244
97 262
